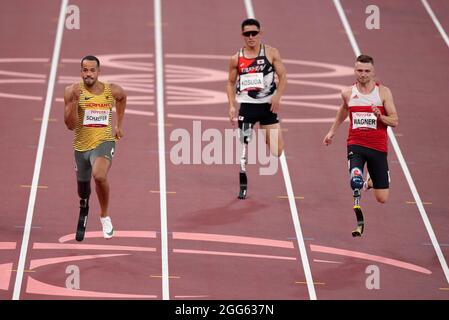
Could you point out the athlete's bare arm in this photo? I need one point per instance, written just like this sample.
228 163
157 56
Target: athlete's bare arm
120 104
391 118
282 77
71 99
230 87
342 114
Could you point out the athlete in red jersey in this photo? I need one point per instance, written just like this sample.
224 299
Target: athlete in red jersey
371 110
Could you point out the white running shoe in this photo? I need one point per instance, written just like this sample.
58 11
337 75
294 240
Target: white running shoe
108 229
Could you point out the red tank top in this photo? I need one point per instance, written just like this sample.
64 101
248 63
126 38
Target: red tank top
365 129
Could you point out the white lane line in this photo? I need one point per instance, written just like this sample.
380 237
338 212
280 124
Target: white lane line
435 21
249 9
291 200
161 143
40 151
401 159
347 27
297 225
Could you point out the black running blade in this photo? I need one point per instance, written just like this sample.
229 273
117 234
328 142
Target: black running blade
243 185
359 215
82 223
360 222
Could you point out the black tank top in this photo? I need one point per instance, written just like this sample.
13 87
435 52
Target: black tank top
256 78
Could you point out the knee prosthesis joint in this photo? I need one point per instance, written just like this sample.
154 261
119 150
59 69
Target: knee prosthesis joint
356 179
246 132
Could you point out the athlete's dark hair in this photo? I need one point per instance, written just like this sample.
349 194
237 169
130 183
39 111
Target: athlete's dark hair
90 58
250 22
363 58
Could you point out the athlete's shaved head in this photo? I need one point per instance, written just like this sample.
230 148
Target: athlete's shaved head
363 58
250 22
91 58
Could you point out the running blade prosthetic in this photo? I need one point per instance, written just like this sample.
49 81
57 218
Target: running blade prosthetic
82 221
243 185
360 222
359 215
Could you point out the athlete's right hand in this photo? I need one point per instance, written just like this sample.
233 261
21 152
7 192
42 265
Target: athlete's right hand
232 115
328 139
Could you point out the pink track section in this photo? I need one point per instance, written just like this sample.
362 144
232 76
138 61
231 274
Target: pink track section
120 234
5 275
232 239
233 254
39 287
370 257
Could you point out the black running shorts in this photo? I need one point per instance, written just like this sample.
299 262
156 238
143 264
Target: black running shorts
257 112
376 162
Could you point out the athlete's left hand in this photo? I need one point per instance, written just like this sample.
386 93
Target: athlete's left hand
376 111
118 133
275 101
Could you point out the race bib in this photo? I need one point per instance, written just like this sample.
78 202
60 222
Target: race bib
251 81
365 120
96 118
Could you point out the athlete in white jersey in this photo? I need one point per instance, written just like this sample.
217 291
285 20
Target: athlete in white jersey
251 82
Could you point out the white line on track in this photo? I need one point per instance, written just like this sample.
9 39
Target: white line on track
401 159
291 200
249 9
436 22
297 225
40 151
161 143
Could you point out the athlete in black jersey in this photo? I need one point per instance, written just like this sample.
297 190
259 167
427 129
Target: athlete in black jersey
251 83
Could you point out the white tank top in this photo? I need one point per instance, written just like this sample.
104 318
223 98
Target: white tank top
358 99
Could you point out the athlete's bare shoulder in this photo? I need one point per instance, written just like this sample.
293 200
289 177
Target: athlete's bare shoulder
68 90
346 93
114 86
271 49
384 90
117 91
272 52
234 60
73 89
385 93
